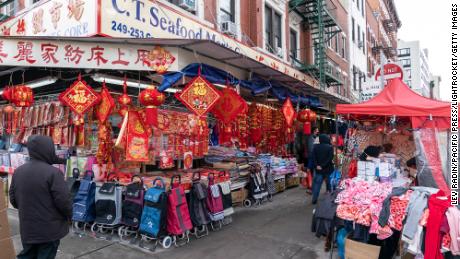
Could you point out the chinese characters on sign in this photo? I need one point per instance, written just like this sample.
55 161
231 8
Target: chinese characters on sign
84 54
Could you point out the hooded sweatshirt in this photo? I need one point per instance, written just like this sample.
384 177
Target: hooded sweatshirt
323 154
40 194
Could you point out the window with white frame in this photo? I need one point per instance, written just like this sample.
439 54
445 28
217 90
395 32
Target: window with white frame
353 29
8 9
273 30
343 51
364 43
188 5
336 44
359 36
227 10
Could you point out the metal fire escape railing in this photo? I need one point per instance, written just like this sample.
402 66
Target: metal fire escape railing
323 28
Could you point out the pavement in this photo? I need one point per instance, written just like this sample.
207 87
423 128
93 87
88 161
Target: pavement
278 229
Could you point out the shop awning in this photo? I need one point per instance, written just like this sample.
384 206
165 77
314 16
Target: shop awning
212 50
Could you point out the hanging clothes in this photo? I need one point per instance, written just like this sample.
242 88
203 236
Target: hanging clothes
438 204
453 217
415 209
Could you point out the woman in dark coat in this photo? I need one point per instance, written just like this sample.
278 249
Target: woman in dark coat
323 155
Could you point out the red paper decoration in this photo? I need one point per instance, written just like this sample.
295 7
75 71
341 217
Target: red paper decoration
304 115
137 141
106 106
80 97
288 112
21 96
151 98
229 106
199 95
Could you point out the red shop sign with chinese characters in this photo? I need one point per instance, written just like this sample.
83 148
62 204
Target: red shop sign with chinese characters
19 52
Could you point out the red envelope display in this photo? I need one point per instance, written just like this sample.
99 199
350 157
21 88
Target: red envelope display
105 108
137 139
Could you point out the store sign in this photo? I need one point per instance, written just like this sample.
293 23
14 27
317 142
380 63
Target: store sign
63 18
370 89
390 71
41 53
151 19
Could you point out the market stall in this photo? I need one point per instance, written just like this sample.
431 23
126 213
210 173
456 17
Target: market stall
378 208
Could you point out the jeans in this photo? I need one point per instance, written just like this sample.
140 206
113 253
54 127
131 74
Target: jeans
39 251
317 182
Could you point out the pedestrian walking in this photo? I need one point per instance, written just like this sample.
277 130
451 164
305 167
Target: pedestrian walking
323 155
40 194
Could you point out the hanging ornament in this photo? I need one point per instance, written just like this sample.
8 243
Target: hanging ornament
20 95
124 99
160 59
80 97
304 115
105 108
229 105
199 95
313 116
7 93
137 142
151 98
288 112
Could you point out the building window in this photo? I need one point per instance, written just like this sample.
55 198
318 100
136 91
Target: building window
329 40
191 4
405 62
359 36
35 1
293 44
227 11
362 7
354 77
357 4
364 44
404 52
408 73
353 29
343 47
409 83
272 29
336 46
8 9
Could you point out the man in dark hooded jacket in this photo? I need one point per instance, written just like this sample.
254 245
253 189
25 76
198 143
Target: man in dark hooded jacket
323 155
40 194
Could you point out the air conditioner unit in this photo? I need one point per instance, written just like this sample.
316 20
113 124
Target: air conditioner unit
189 5
361 44
279 52
230 28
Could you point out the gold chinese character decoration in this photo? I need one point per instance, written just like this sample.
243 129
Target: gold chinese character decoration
161 59
199 95
80 97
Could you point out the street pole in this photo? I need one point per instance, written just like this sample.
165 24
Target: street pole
382 66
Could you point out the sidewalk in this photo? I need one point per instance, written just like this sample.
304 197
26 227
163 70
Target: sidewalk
278 229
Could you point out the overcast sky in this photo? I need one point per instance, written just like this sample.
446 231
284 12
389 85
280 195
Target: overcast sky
429 22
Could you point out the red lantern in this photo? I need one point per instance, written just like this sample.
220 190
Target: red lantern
151 98
124 99
304 115
7 93
313 116
21 95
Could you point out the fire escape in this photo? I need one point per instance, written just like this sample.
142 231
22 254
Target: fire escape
323 28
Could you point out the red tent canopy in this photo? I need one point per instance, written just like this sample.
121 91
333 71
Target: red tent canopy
399 100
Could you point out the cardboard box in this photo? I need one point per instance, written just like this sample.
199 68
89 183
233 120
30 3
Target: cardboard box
3 202
358 250
4 226
385 169
366 168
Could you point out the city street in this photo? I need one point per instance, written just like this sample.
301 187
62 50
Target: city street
280 229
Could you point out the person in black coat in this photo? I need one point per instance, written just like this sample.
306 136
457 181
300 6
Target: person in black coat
323 155
40 194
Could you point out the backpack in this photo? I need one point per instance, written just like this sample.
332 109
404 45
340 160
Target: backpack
84 200
154 212
214 200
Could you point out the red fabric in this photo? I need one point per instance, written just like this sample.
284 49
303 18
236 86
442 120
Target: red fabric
178 217
397 99
433 235
430 146
425 122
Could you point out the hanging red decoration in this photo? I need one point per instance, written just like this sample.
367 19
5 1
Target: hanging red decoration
21 95
137 141
288 112
199 95
160 59
304 115
229 106
313 116
80 97
151 98
105 108
124 99
7 93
